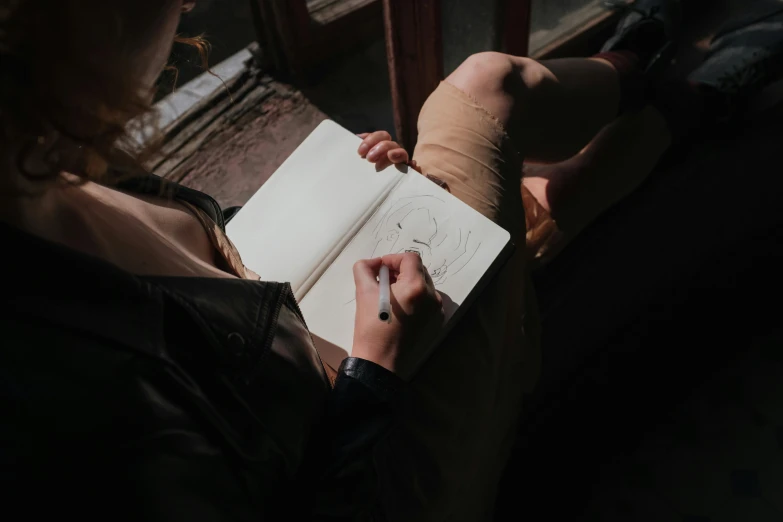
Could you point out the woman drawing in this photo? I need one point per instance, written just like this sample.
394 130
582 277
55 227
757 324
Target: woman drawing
148 375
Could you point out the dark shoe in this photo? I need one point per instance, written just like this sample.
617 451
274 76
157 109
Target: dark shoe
743 58
649 29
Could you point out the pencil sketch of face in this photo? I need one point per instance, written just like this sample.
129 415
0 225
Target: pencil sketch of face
421 225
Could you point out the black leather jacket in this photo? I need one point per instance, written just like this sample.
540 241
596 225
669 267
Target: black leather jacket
165 398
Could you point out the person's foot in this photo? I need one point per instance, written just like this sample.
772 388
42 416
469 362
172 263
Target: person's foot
743 58
649 29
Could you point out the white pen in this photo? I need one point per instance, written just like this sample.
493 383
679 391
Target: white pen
384 295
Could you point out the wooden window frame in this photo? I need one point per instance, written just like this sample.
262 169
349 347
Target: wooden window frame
294 42
414 48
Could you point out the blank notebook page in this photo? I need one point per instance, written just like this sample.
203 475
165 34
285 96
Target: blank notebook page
309 208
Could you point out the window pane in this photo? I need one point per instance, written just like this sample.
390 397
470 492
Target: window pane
469 26
552 19
325 11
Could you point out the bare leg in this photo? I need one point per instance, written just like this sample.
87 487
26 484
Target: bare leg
615 163
550 109
565 111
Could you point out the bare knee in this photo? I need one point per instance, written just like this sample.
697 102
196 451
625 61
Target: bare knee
496 73
499 81
482 72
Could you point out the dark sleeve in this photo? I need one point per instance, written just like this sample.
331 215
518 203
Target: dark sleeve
56 463
359 414
82 436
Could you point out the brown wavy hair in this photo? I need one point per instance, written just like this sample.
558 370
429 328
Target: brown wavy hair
65 72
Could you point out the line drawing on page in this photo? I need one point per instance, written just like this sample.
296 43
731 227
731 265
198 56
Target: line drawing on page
422 224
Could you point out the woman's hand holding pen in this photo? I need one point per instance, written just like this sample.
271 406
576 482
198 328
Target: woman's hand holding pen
416 309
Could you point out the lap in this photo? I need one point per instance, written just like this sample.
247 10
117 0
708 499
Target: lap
447 454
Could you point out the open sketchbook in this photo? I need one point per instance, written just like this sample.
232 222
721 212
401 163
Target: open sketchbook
325 208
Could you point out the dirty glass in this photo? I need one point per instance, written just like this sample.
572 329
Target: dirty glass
555 19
